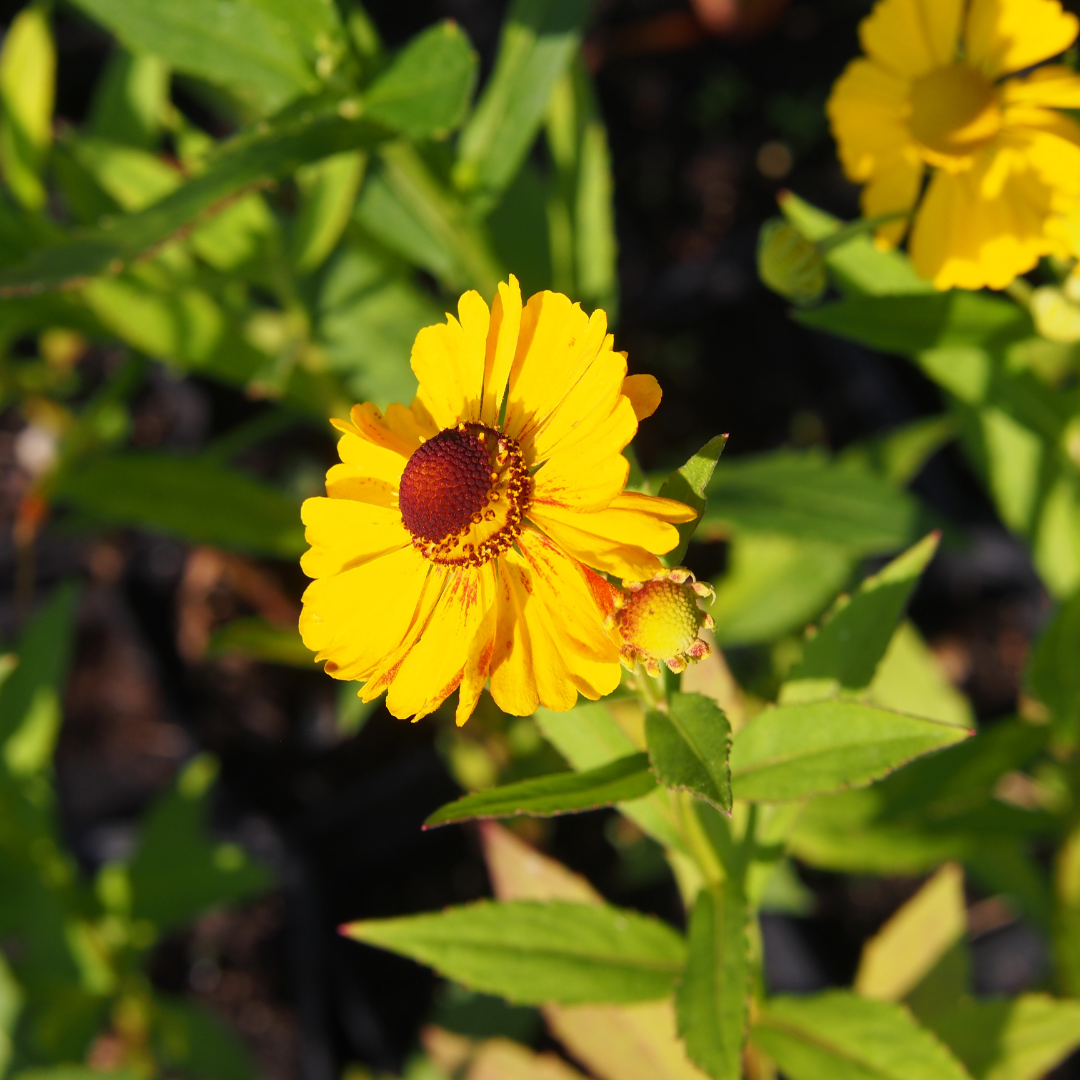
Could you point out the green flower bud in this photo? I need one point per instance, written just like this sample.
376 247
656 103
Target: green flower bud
790 264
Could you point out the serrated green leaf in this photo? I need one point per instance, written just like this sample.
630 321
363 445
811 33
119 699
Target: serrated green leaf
534 953
275 149
426 90
1020 1038
689 745
559 793
539 39
189 498
911 324
588 737
808 497
229 43
791 751
844 654
711 998
839 1036
688 485
177 871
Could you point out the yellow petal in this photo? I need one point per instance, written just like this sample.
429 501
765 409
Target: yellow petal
868 110
567 601
433 668
644 393
912 36
557 343
348 482
353 619
587 473
893 188
501 346
1003 36
371 460
448 362
513 681
413 425
370 425
482 650
624 539
976 229
1054 86
345 533
588 402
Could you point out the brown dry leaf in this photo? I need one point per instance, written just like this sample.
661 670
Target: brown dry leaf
520 872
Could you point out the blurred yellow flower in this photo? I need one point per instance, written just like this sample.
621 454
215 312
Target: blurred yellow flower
954 93
460 537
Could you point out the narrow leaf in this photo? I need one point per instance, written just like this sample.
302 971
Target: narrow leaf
192 499
426 90
839 1036
911 324
791 751
807 496
711 999
1021 1038
273 150
537 953
1053 675
687 485
562 793
689 746
539 39
260 640
845 652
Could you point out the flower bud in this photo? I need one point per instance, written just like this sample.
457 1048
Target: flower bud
658 621
790 264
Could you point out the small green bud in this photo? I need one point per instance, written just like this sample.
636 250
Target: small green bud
790 264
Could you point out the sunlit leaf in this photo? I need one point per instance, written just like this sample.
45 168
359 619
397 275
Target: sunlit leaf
839 1036
557 793
688 747
536 953
791 751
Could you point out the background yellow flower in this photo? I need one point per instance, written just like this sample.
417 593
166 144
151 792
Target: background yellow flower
460 537
941 91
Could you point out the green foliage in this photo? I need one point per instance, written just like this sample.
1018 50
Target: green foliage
688 485
191 498
711 999
558 793
839 1036
534 953
791 751
809 498
175 874
688 748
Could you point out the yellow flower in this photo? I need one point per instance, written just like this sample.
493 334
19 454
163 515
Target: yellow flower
955 95
460 537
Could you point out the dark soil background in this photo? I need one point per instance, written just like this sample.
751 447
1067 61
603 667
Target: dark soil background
704 130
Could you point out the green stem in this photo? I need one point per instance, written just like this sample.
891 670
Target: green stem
1020 291
859 228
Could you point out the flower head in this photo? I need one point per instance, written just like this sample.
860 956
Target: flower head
461 537
946 88
657 621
